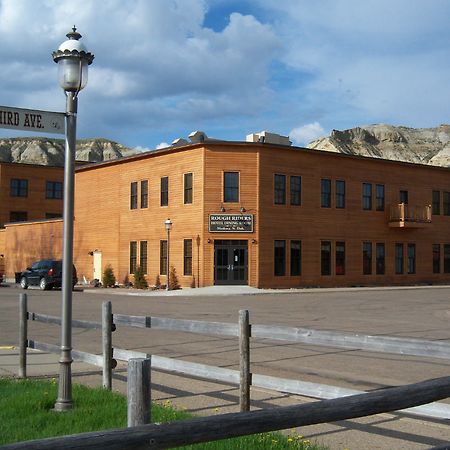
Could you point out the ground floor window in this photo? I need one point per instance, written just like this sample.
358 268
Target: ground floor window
187 252
446 258
340 258
367 258
163 257
436 258
280 258
296 258
325 258
398 259
143 257
380 258
411 258
133 256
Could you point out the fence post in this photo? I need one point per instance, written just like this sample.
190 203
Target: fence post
244 360
23 332
139 391
107 324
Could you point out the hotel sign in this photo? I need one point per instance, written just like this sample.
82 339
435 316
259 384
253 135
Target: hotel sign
32 120
231 223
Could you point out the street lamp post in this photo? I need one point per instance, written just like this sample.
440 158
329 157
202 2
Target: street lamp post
73 59
168 224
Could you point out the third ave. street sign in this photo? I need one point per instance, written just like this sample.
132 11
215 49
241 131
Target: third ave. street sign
32 120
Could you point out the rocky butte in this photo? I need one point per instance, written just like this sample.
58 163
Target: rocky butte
417 145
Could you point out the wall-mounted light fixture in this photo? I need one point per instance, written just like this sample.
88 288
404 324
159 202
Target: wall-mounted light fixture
90 253
209 241
242 210
254 241
222 209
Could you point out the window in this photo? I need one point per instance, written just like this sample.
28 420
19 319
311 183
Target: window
18 216
436 203
53 215
367 258
19 188
436 258
188 188
446 258
446 203
367 196
325 193
280 189
325 258
54 189
231 187
296 258
296 190
144 194
398 259
187 266
143 256
404 197
379 197
380 258
163 257
164 191
280 258
411 258
133 256
133 195
340 258
340 194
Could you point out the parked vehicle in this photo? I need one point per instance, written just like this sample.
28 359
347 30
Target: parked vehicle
46 274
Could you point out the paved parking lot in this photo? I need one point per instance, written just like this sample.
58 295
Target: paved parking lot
422 312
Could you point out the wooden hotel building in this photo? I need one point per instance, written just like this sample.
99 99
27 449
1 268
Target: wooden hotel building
259 213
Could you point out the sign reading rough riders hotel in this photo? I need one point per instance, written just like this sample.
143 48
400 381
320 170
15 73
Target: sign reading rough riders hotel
32 120
231 223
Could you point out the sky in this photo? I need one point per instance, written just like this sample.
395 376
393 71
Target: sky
165 68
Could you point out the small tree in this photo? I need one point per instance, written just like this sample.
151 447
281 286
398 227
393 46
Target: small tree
193 283
139 279
173 279
109 279
158 282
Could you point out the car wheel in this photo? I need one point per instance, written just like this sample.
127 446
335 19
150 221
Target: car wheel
23 283
43 286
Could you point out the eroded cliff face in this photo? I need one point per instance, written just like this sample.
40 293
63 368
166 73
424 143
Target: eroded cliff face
417 145
50 152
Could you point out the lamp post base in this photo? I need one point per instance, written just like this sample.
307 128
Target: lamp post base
64 401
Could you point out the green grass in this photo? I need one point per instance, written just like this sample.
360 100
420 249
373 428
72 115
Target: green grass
26 413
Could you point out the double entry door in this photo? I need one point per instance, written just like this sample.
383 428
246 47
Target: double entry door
230 262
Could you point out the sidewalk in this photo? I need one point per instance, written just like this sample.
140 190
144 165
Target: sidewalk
393 431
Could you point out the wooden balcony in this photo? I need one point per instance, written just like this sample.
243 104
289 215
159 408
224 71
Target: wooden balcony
407 216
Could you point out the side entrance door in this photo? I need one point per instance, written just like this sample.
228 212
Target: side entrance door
230 262
97 265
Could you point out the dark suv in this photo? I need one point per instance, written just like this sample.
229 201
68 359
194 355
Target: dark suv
46 274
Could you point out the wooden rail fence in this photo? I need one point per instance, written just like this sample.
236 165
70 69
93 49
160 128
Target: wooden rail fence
243 377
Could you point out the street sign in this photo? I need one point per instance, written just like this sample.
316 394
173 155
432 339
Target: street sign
32 120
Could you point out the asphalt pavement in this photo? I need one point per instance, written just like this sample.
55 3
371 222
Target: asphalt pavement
393 311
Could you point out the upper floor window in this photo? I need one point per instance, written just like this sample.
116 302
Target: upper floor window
379 197
19 188
404 197
231 187
144 194
296 190
446 203
133 195
367 196
188 188
436 203
54 189
325 193
280 189
340 194
164 191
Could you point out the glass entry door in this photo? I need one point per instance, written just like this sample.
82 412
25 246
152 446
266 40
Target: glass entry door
230 262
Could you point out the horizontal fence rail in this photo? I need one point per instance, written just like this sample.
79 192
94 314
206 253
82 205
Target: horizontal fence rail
57 321
186 432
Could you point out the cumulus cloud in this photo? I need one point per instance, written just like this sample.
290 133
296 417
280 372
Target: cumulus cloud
304 134
162 145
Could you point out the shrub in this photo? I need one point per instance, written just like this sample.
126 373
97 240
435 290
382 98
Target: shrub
139 279
173 279
109 279
193 283
158 282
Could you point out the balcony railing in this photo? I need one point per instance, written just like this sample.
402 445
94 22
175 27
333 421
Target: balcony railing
407 216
